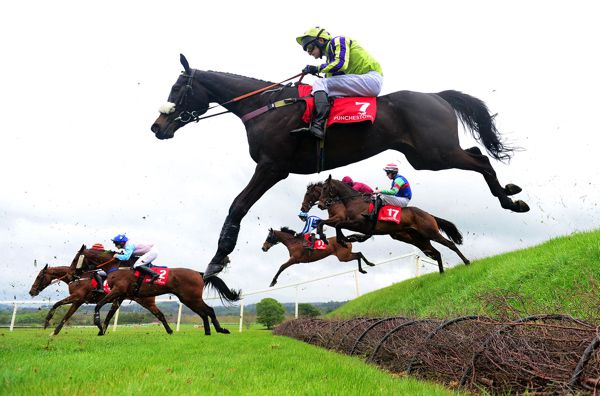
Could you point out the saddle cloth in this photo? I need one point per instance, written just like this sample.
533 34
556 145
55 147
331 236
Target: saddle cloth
318 245
344 110
388 213
104 286
163 275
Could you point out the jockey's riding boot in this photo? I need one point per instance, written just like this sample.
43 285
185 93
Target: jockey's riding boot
99 284
147 271
317 127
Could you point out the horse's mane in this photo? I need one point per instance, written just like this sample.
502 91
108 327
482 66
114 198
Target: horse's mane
288 230
316 184
240 76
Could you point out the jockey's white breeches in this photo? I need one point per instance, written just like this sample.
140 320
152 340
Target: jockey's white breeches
147 258
394 200
350 84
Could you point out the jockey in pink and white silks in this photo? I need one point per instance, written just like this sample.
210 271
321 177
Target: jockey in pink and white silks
349 69
147 253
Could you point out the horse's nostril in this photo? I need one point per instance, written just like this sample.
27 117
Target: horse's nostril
155 128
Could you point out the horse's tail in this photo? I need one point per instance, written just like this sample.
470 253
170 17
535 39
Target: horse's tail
225 293
450 230
474 114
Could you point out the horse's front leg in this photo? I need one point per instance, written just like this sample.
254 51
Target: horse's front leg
266 175
332 221
106 299
74 307
115 305
64 301
285 265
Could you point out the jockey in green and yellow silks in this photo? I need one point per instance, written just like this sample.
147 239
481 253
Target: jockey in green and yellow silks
349 69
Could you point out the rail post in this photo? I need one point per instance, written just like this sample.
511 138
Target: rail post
179 316
241 316
116 319
296 308
14 315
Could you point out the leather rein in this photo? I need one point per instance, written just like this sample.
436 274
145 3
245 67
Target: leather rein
186 116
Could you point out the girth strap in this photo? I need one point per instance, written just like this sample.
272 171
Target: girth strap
269 107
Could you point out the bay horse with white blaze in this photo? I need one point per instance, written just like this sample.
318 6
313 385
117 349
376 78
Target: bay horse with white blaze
301 254
81 291
423 126
186 284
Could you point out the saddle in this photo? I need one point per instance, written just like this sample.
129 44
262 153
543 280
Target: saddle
343 110
380 212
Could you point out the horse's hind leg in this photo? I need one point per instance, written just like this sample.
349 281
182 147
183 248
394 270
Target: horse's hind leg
439 238
193 304
213 318
472 159
151 306
423 244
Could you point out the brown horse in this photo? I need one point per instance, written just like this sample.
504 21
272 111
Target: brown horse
185 283
81 292
337 212
423 126
416 226
301 254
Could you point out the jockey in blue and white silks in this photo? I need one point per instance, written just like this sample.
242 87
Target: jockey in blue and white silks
147 253
311 222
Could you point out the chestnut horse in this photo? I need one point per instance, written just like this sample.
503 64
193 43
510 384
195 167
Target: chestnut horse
423 126
337 212
185 283
81 292
301 254
416 226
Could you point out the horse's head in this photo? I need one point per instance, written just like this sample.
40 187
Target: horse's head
313 192
187 101
270 241
41 281
329 192
87 259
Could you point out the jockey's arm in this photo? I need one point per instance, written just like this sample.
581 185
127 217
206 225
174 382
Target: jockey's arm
339 63
129 248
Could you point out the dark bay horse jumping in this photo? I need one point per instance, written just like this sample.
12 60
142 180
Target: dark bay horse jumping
81 292
423 126
186 284
416 226
300 254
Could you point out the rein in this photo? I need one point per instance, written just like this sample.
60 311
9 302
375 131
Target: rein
193 116
106 262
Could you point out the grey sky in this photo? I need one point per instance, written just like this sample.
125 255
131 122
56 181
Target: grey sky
81 85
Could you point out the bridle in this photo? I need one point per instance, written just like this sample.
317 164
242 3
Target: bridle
331 199
186 116
271 238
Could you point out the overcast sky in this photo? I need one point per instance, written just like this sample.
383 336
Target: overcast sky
81 84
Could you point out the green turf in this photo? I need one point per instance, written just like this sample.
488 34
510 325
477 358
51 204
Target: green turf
560 275
145 360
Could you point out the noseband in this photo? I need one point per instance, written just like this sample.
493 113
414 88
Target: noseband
272 239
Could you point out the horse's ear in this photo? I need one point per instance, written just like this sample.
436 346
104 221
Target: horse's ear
82 248
329 178
184 63
45 267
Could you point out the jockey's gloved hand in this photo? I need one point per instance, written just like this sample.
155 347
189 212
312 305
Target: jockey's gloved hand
310 69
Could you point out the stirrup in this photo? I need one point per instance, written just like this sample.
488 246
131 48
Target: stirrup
300 130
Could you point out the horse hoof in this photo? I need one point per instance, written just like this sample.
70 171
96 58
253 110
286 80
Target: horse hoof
512 189
521 207
225 331
371 264
362 271
272 284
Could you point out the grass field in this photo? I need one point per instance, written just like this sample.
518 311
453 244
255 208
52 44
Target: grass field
560 275
145 360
